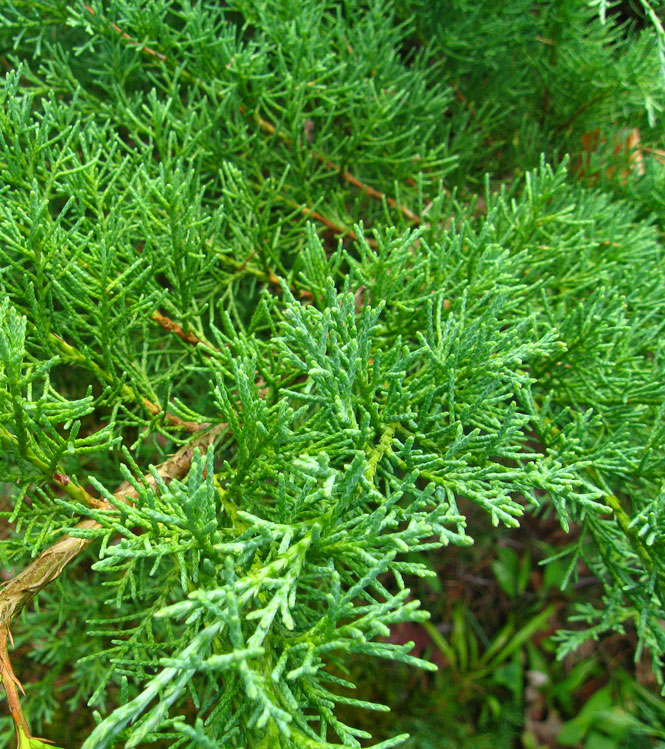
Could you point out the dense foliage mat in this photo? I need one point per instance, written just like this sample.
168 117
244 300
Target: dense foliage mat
282 286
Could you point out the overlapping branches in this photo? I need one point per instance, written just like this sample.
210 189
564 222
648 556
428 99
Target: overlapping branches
152 242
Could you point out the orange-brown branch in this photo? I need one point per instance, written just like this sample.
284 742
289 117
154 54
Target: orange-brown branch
173 327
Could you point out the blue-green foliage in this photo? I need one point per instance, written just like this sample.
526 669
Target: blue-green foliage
371 387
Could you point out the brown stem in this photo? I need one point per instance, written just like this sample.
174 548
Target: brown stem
372 192
47 567
173 327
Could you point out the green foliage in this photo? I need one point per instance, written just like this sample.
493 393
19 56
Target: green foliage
161 164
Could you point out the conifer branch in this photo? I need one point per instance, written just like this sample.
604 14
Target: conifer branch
73 490
72 354
124 35
271 129
328 223
505 356
16 593
636 541
368 190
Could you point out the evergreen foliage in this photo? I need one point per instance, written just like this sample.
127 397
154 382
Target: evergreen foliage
265 323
